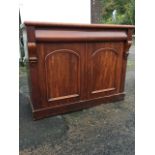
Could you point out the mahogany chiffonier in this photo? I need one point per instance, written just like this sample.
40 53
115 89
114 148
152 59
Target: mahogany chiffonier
75 66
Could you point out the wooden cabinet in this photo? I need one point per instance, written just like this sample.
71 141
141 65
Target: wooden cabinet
72 67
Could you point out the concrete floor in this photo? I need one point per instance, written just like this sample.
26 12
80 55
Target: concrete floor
107 129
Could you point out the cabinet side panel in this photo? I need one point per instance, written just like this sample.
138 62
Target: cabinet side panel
33 75
126 46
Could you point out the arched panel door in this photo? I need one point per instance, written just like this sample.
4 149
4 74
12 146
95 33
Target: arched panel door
62 73
104 65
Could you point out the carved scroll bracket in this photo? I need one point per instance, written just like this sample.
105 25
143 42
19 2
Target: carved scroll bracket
128 43
32 52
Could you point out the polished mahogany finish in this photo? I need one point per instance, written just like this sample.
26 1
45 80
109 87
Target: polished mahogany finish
74 66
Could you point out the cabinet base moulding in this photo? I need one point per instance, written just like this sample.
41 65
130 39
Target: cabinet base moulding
71 107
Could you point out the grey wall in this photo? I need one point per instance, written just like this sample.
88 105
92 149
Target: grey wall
96 11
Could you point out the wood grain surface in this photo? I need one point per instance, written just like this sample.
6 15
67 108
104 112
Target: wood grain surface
75 66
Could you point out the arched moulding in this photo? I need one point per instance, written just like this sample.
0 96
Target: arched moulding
62 50
32 52
55 84
104 50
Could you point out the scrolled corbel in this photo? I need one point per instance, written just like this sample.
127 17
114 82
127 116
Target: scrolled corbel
32 52
128 43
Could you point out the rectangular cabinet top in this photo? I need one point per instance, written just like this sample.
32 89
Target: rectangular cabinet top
48 24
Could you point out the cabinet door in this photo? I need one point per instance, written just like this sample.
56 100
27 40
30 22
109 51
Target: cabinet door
104 61
61 69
